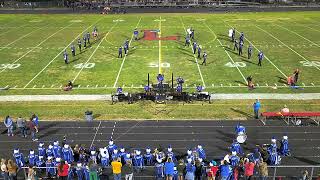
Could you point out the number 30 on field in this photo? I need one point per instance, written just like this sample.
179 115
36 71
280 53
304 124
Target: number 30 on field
310 63
84 65
9 66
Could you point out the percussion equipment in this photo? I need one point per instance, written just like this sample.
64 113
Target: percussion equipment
242 137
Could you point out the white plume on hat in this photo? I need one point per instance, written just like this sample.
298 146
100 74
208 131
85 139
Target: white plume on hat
234 153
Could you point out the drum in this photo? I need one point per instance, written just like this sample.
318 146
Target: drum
241 138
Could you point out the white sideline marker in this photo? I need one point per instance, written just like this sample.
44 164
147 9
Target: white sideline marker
60 53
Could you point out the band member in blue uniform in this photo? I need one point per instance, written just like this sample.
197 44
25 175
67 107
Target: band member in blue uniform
115 154
65 57
50 171
67 153
138 161
148 158
170 154
205 55
111 147
260 58
104 157
234 159
49 151
122 155
284 147
120 52
32 158
79 171
235 146
19 158
199 88
41 150
93 156
136 34
250 49
201 152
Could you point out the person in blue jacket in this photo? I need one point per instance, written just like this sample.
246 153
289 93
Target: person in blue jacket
169 168
225 171
9 125
256 108
190 170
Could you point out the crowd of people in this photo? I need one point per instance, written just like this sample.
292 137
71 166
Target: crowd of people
66 162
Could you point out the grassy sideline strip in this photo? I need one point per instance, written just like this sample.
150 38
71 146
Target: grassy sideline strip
103 110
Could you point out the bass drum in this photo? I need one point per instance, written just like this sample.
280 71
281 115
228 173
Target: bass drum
241 138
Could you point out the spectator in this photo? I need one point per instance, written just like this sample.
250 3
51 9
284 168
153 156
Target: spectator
21 124
128 170
225 170
116 169
76 152
256 107
249 168
31 173
169 169
93 167
63 170
9 125
263 169
34 129
212 171
12 169
190 169
181 168
4 170
198 172
285 110
305 175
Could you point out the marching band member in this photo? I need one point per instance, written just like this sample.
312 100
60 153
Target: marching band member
41 149
190 169
111 147
234 159
148 157
40 161
240 129
190 155
79 171
160 78
56 149
93 156
235 146
201 152
138 161
122 154
18 158
127 157
274 158
83 157
32 158
170 154
50 171
284 148
104 157
115 154
159 169
49 151
67 154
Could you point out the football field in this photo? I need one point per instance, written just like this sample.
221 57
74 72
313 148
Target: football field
32 46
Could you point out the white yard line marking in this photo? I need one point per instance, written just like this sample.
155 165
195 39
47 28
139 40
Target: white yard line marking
60 53
124 58
244 78
114 127
132 127
21 37
95 50
36 46
298 35
185 30
286 45
94 137
159 65
259 50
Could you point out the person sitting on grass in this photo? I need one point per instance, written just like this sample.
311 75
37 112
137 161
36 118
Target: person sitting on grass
68 87
250 83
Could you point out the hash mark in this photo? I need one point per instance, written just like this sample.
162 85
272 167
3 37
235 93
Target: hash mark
34 86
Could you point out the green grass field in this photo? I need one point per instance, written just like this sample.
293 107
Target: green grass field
31 49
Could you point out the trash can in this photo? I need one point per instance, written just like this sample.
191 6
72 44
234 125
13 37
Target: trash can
88 115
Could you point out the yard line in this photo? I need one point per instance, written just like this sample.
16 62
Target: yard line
60 53
259 50
244 78
95 50
298 35
20 38
94 137
286 45
36 46
159 65
185 30
124 58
